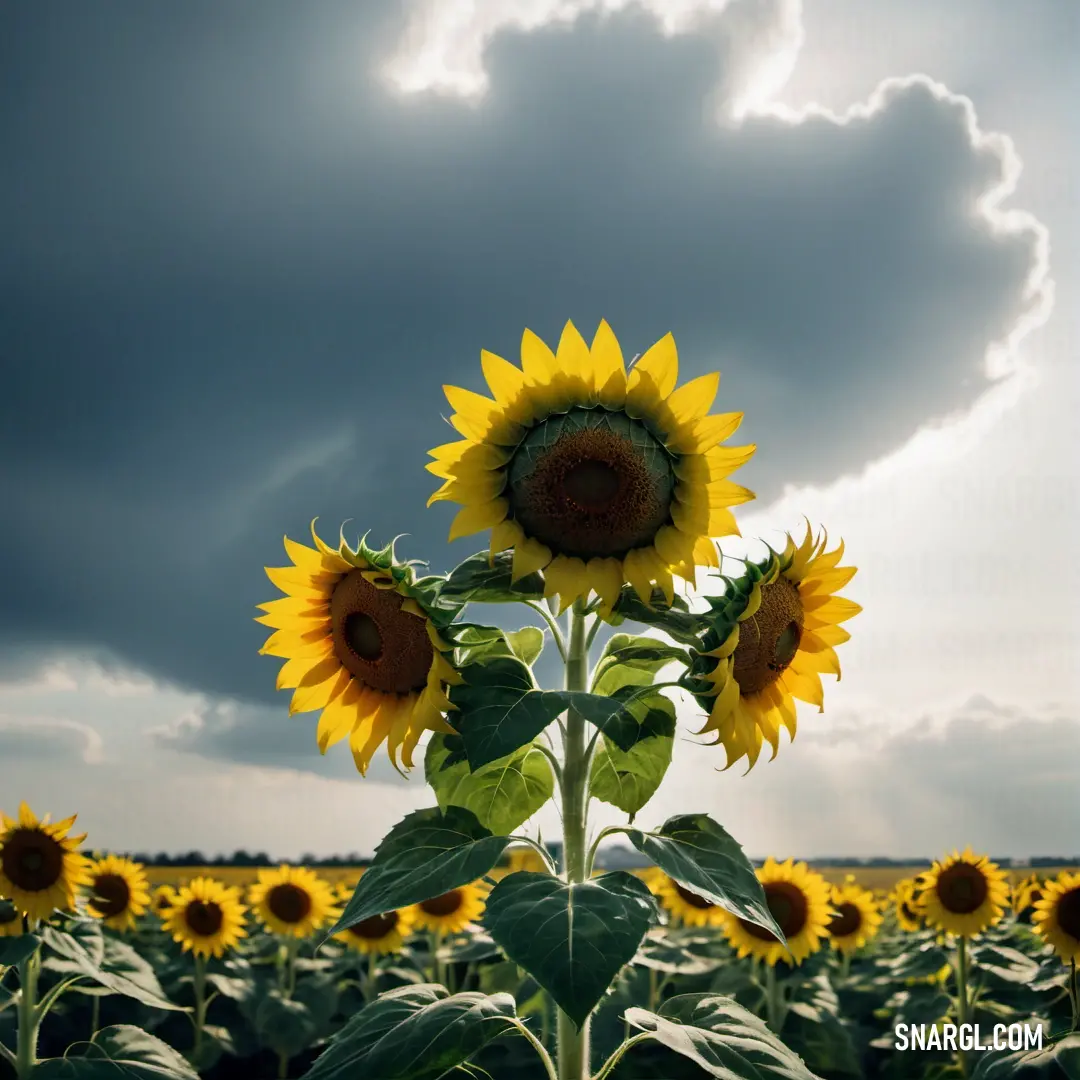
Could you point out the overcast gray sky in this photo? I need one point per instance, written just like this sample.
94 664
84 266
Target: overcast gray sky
245 245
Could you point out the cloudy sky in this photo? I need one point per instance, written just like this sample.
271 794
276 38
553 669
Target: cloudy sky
244 245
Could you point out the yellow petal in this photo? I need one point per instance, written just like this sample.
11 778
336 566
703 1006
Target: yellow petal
704 434
693 401
294 671
658 368
505 380
576 364
505 535
480 490
638 568
297 583
529 556
476 518
567 578
537 360
339 717
828 581
609 368
674 545
288 644
805 685
606 580
311 694
829 610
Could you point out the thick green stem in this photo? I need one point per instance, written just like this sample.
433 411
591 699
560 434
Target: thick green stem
774 1000
95 1014
572 1043
200 1008
1074 995
28 1016
962 1007
372 980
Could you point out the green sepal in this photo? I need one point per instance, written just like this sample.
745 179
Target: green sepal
502 795
590 930
674 619
487 579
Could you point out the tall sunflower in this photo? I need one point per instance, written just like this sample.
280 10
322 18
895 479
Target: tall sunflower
40 865
905 898
964 894
119 891
361 646
684 905
164 898
292 901
855 919
1057 916
798 899
381 934
451 912
11 923
774 635
207 918
1025 895
592 475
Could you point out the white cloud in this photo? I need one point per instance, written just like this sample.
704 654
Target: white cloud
49 737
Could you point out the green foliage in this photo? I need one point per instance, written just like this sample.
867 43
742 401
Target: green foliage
120 1051
485 579
502 795
572 938
702 857
633 660
14 950
1060 1061
414 1033
426 854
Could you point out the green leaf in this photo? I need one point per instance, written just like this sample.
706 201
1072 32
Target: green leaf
628 779
502 795
283 1025
426 854
414 1033
121 970
119 1051
14 950
499 710
633 659
702 857
481 579
1058 1061
572 939
527 643
722 1038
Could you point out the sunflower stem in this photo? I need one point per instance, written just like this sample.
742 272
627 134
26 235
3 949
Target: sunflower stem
200 1009
1074 995
372 977
573 1042
29 1017
553 626
95 1014
292 947
774 1000
962 994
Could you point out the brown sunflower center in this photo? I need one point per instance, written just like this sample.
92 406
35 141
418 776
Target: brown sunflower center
111 895
769 639
1068 913
204 917
591 483
32 860
788 906
846 921
164 901
692 898
384 647
962 888
443 905
8 914
909 912
289 902
378 926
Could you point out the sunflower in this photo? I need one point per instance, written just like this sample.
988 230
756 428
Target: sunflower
905 900
292 900
361 646
592 475
40 866
1057 916
684 905
964 894
11 924
451 912
855 919
1025 895
207 917
119 891
164 898
786 626
381 934
799 901
343 891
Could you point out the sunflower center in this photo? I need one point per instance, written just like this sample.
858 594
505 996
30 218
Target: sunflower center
846 921
8 914
692 898
591 484
443 905
289 902
164 902
962 888
111 895
1068 913
32 860
788 906
769 639
382 646
204 917
909 913
378 926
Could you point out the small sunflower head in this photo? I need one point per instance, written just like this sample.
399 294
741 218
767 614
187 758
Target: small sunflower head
292 901
769 638
453 911
207 917
682 903
855 918
380 935
118 892
964 894
1056 916
360 637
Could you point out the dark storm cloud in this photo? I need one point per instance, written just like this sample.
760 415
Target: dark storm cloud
235 271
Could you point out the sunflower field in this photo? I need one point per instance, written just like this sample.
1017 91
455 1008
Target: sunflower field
466 948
